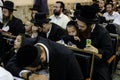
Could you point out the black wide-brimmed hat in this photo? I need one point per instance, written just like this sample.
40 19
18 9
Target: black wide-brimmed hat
86 14
28 55
40 18
8 5
36 7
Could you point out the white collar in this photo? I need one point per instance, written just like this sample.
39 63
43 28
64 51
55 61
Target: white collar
111 14
93 28
46 49
49 31
61 15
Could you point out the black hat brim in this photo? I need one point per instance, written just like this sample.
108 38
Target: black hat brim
8 8
40 21
32 9
94 20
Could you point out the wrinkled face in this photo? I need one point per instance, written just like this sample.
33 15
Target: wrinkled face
71 31
109 8
57 9
46 27
5 13
81 26
17 42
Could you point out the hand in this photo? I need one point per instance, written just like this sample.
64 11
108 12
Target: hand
99 14
38 77
40 29
58 41
91 48
74 46
77 38
24 75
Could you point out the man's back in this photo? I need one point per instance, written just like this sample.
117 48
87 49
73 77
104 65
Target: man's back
63 64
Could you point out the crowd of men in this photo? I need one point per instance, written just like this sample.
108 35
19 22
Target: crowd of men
36 52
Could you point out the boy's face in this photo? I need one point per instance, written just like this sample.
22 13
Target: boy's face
17 42
71 31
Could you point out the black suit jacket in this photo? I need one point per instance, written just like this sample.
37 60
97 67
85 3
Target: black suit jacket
55 34
102 41
63 64
16 26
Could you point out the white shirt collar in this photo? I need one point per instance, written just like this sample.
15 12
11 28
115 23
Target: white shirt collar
61 15
93 28
49 31
111 14
46 49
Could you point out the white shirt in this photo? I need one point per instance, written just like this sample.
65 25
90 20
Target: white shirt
5 75
48 33
117 20
115 17
61 20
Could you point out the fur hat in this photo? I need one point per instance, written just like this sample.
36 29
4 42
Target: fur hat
40 18
8 5
86 14
28 55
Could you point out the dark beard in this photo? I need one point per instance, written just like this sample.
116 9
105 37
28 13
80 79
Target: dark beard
56 13
6 19
87 33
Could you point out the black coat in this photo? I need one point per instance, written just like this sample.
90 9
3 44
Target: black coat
63 64
55 34
16 26
43 5
2 45
102 41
